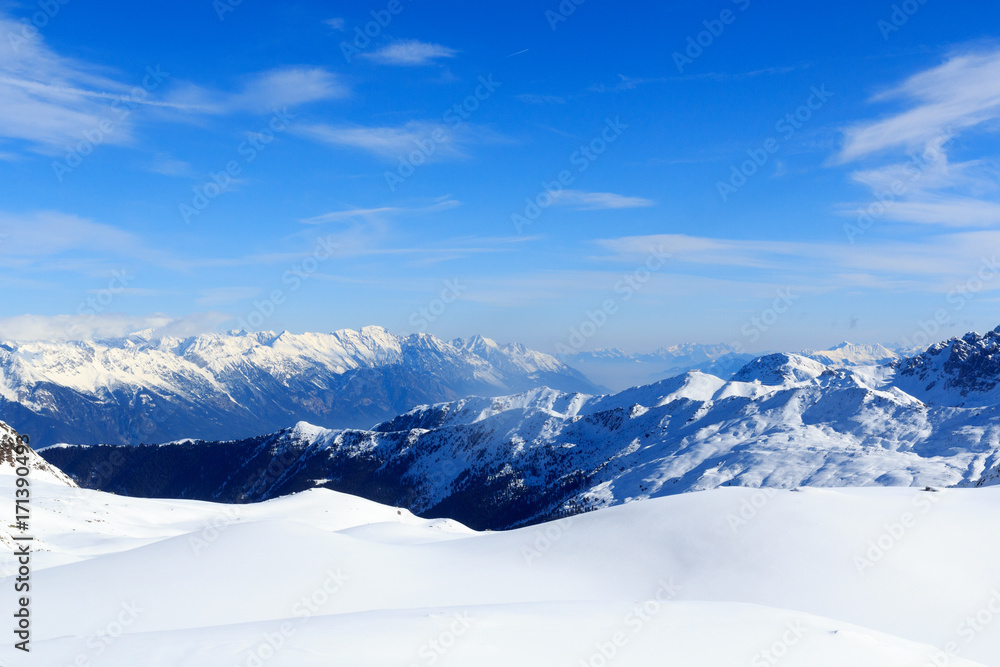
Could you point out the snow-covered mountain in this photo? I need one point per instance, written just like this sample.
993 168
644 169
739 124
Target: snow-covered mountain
846 577
783 421
961 372
851 354
140 389
619 370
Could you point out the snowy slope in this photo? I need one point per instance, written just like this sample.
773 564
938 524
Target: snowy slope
140 389
786 421
726 577
38 468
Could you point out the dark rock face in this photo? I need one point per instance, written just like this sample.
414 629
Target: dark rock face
959 369
384 467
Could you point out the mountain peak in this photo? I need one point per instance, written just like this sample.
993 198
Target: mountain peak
221 385
780 369
962 371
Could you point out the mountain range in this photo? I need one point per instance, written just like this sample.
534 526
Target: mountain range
620 370
234 385
782 421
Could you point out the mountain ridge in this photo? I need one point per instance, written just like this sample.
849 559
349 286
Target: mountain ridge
238 384
497 462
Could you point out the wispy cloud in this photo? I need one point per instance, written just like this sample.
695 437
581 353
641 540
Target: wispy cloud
533 98
918 182
50 101
631 82
49 240
626 83
390 142
596 201
933 264
262 92
337 24
167 166
962 93
288 86
24 328
713 251
410 53
443 204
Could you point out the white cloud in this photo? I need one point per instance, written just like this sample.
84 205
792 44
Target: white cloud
49 240
106 325
962 93
595 201
444 141
410 53
710 251
951 211
920 183
48 233
288 86
51 101
262 92
336 24
442 204
933 264
48 100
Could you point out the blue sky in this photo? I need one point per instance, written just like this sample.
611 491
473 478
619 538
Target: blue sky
567 176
